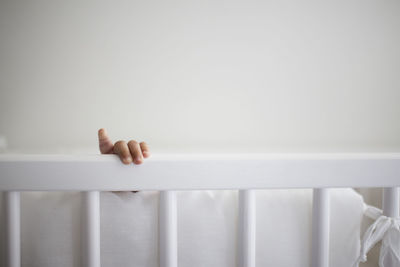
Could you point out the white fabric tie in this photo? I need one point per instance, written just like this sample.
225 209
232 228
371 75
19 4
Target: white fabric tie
386 229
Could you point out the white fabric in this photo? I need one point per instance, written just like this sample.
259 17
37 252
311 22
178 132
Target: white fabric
207 222
384 229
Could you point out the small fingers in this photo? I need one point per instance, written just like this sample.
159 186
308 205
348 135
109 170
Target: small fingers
122 150
145 149
136 152
105 144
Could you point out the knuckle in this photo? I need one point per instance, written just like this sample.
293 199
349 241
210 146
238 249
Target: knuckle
119 143
132 143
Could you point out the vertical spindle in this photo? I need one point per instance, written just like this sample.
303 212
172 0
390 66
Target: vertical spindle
390 203
320 228
91 229
13 228
168 239
247 228
391 198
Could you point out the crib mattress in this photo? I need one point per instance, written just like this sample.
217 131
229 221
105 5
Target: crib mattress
207 228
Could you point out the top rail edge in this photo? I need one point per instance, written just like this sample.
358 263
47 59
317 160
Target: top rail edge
198 171
201 156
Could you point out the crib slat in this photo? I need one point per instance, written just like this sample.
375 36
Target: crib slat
91 229
320 228
391 198
168 239
13 228
247 228
390 201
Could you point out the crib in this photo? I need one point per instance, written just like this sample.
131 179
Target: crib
169 173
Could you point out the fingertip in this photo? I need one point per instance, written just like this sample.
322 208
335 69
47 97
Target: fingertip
127 160
145 149
138 161
102 133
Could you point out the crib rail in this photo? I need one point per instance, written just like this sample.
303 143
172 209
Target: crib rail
166 173
197 172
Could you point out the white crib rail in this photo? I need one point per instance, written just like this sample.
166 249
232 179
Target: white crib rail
197 172
165 173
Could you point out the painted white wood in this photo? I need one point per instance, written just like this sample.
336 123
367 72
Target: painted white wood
91 229
391 201
247 228
196 172
168 229
13 229
320 228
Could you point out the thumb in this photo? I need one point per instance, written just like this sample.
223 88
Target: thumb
105 144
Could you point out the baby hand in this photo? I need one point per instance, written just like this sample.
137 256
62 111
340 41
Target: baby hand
128 152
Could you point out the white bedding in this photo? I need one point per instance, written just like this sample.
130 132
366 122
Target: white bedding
207 223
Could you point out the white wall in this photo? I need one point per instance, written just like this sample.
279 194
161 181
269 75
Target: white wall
199 75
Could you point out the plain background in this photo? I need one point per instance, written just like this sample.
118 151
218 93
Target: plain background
201 76
231 76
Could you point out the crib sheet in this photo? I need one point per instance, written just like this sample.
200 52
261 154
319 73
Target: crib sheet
207 223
